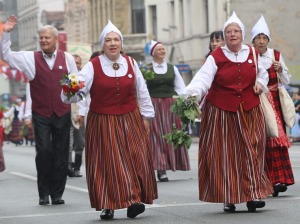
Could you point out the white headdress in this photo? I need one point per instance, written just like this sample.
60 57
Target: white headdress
153 46
234 19
107 29
260 27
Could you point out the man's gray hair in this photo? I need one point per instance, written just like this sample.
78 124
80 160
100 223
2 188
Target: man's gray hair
48 27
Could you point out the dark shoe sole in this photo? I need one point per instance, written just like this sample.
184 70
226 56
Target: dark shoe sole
135 209
253 205
107 214
229 208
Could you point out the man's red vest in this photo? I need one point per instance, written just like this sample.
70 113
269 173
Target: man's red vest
112 95
233 83
45 88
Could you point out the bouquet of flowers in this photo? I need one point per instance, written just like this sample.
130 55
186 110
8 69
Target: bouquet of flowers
72 86
188 110
147 71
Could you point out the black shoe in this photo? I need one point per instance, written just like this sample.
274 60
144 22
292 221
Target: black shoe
162 176
58 201
77 173
107 214
44 200
135 209
279 188
253 205
70 172
229 207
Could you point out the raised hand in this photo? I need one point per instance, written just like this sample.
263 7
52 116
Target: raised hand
10 23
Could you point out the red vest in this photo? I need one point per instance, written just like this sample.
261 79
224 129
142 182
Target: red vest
233 83
45 88
112 95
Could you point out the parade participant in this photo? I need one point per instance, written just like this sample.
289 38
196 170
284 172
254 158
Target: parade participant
216 40
51 117
119 168
167 82
232 138
277 153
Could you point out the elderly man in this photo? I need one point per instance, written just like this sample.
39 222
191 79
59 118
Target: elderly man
51 117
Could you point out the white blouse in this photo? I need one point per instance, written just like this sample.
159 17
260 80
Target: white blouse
87 75
203 79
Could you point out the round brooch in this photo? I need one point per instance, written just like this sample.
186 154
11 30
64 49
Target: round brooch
130 76
249 61
116 66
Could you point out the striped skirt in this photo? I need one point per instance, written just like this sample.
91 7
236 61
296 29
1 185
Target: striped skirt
232 156
119 168
165 156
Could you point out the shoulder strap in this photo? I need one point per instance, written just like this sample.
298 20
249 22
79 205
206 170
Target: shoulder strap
254 58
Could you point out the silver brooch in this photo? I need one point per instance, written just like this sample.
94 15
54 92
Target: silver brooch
250 61
60 67
130 76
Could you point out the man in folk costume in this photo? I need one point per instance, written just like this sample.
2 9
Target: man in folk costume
51 117
119 168
277 154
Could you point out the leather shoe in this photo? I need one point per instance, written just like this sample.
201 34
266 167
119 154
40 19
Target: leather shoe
107 214
44 200
229 207
253 205
135 209
70 172
58 201
162 176
279 188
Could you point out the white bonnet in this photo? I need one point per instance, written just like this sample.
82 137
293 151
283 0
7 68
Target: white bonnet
107 29
153 46
260 27
234 19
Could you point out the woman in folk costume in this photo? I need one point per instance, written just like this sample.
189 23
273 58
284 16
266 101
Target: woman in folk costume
277 155
166 83
119 168
232 136
2 163
14 135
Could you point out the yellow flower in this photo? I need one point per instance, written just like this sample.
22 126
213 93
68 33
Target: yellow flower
74 82
72 76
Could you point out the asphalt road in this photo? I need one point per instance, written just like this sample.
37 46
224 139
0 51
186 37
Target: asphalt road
177 203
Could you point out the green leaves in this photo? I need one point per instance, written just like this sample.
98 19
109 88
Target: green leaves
187 110
147 71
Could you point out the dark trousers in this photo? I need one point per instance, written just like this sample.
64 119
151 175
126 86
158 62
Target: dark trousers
77 139
52 136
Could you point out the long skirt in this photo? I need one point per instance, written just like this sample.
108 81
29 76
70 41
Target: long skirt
2 163
277 154
15 136
232 156
119 168
165 156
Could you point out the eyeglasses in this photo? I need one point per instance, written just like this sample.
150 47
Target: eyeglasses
229 32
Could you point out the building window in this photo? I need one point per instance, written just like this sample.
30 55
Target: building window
138 16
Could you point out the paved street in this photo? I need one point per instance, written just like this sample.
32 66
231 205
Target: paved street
177 203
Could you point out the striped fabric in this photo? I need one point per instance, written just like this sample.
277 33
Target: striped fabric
232 156
119 167
165 157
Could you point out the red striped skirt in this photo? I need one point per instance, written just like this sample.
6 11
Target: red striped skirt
232 156
165 156
119 168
